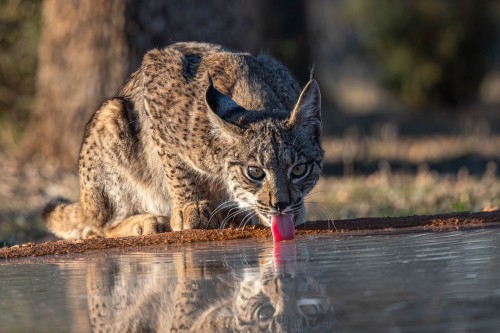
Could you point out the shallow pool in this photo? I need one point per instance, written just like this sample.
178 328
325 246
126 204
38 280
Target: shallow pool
385 282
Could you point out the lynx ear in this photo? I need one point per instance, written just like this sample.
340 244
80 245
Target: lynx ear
307 112
220 107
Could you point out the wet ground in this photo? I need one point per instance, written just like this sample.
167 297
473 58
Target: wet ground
371 281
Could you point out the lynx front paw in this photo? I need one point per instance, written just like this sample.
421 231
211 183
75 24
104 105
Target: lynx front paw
193 215
146 224
150 225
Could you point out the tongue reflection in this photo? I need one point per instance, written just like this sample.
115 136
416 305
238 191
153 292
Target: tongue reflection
282 227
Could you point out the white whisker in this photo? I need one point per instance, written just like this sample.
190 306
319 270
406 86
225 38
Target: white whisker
326 212
247 218
233 212
315 193
224 205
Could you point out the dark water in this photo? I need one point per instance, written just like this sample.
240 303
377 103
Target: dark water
413 282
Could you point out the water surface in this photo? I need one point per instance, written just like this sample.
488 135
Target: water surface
385 282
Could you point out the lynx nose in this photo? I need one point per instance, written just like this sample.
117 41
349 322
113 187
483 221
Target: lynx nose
281 205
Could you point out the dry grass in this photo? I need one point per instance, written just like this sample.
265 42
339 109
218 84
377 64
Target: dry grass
399 193
386 194
387 145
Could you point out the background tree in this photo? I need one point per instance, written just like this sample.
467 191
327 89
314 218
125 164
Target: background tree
430 52
19 33
82 59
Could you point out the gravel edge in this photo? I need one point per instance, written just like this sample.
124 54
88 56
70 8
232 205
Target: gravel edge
439 222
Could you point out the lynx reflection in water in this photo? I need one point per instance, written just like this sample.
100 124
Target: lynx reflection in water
271 294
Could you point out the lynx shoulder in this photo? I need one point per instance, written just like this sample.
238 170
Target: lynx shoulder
198 137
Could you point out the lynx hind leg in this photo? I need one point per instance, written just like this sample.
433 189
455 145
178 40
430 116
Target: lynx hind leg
136 225
65 220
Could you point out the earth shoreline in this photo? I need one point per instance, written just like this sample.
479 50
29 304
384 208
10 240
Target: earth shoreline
438 222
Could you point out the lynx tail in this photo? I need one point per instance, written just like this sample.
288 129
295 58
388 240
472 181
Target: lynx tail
65 220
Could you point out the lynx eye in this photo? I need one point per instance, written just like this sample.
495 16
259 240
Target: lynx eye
299 170
255 173
265 312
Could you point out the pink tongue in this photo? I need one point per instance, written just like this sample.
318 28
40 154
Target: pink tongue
282 227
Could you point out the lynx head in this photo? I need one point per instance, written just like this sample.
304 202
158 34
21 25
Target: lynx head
272 158
271 302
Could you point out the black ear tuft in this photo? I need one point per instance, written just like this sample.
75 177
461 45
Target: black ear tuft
311 73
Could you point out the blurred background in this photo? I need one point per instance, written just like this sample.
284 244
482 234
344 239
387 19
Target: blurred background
411 93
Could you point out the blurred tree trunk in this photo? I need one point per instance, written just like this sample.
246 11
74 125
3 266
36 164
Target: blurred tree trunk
88 47
158 23
82 60
287 35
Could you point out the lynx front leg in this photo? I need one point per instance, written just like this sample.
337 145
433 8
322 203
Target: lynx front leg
190 198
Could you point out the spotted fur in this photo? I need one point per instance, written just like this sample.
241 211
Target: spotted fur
172 150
